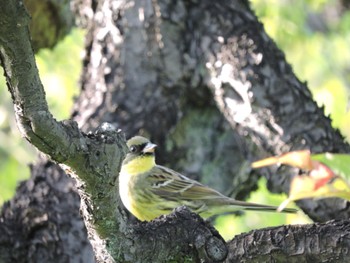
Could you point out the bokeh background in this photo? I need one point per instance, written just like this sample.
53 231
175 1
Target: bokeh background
315 36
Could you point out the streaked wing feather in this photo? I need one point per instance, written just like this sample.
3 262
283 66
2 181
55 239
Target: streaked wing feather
167 183
172 186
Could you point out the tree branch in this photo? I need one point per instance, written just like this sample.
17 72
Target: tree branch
300 243
35 121
96 157
87 155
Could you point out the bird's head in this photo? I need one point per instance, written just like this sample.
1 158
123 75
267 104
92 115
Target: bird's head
139 147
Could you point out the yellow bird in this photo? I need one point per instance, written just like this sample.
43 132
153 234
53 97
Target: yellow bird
149 190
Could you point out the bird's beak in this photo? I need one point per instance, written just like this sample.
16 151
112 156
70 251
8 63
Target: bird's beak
149 148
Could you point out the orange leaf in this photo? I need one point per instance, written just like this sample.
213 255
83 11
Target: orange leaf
300 159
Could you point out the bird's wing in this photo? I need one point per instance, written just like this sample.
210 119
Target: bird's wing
175 187
169 184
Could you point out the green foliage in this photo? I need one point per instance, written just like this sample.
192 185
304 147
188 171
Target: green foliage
59 71
15 153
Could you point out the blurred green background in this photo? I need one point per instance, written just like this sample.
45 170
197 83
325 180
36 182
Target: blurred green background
315 36
59 71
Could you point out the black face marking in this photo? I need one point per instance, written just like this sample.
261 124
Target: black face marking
137 148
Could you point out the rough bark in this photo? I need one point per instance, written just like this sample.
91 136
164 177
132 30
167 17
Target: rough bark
40 225
310 243
164 69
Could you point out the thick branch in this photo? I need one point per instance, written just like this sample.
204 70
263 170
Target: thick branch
307 243
87 155
199 241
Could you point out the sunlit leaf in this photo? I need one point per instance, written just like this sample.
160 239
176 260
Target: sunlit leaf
300 159
323 178
304 186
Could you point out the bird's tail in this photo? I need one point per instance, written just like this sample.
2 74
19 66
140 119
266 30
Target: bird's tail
260 207
228 205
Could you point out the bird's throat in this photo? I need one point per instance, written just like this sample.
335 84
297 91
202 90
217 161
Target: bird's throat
139 165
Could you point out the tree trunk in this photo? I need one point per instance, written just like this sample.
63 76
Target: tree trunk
203 81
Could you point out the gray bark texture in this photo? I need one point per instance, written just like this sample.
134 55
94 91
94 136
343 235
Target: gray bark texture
203 81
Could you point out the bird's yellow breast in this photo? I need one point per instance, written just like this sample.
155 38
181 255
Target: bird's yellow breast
130 179
138 165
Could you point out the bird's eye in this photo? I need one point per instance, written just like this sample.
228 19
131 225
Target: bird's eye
133 149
